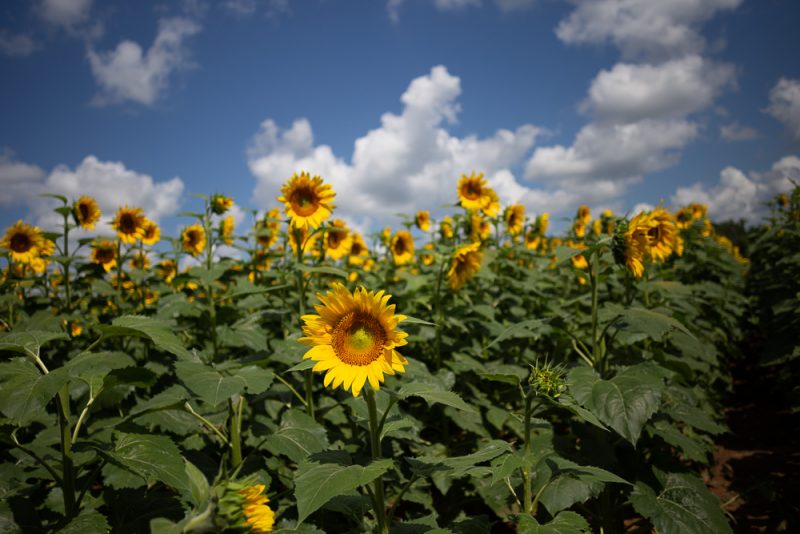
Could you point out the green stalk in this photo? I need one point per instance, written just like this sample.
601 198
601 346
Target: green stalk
526 470
375 442
593 275
439 316
301 293
66 264
212 308
235 417
67 466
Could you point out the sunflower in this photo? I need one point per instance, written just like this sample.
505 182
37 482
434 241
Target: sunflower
167 270
151 233
423 220
662 234
226 230
466 262
578 261
631 243
698 210
683 218
260 517
515 218
309 244
402 248
446 227
267 230
542 223
354 337
579 228
358 250
86 212
472 191
24 242
427 255
584 214
104 253
308 200
220 203
597 227
491 206
533 240
338 241
140 261
193 239
479 228
129 224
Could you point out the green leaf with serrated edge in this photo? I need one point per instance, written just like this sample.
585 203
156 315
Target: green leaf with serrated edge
316 484
302 366
563 523
87 521
515 330
7 524
173 397
683 504
150 457
298 437
414 320
433 393
650 322
692 448
568 483
153 329
25 391
28 343
625 402
213 386
566 401
198 489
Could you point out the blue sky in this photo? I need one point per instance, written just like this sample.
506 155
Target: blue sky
616 103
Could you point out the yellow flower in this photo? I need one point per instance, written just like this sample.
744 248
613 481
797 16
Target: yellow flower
492 203
167 270
532 240
542 223
358 250
220 203
579 228
479 228
698 210
423 220
104 253
260 517
308 244
353 339
597 226
151 233
129 224
515 218
427 256
140 261
584 214
308 200
402 248
386 236
267 229
579 261
446 227
472 191
631 244
339 241
466 262
683 218
25 243
193 239
662 234
86 212
226 230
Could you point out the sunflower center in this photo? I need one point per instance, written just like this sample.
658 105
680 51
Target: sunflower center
127 223
400 247
472 191
358 339
304 202
655 234
21 242
193 238
104 255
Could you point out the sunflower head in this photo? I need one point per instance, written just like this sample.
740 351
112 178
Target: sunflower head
25 243
542 223
86 212
579 261
220 203
226 229
402 248
151 233
698 210
140 261
358 250
308 201
631 243
104 253
579 228
466 262
354 338
662 234
479 228
129 224
423 220
167 270
244 507
515 218
533 240
267 229
584 214
193 239
472 191
338 240
307 240
427 254
446 227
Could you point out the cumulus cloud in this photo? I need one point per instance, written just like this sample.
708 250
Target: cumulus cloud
16 45
630 92
740 195
410 162
65 13
737 132
130 73
642 28
18 180
514 5
784 105
450 5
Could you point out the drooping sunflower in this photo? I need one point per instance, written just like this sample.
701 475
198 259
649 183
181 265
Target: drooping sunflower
358 250
220 203
466 262
308 200
24 242
129 224
579 228
472 191
631 243
584 214
423 220
338 241
491 206
402 248
479 228
86 212
533 240
226 229
542 223
354 338
260 517
193 239
662 234
515 218
244 506
151 233
104 253
446 227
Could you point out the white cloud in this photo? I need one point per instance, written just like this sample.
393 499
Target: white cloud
675 88
514 5
640 207
18 181
737 132
65 13
655 29
742 196
129 73
451 5
16 45
241 7
408 163
784 105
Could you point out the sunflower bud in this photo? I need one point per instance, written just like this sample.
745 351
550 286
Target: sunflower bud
547 380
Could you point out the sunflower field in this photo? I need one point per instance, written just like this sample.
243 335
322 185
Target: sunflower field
465 375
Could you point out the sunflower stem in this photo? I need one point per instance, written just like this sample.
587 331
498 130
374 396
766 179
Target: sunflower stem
439 316
526 470
67 468
593 273
301 307
65 265
235 417
375 442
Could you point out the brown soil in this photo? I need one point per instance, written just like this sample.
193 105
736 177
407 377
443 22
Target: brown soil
756 470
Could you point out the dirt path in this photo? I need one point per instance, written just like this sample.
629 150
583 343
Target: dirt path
756 467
